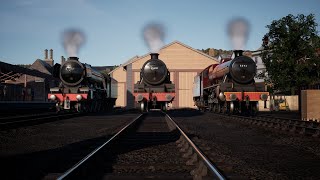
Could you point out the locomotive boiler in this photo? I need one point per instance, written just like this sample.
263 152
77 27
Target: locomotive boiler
154 89
82 88
229 86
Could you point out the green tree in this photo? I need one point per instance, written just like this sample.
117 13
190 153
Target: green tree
290 53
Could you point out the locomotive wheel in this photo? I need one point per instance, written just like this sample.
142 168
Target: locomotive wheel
142 106
86 107
217 108
95 106
254 109
79 107
231 107
224 109
99 106
91 106
211 108
165 106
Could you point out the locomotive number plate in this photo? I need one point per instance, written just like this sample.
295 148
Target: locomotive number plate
67 104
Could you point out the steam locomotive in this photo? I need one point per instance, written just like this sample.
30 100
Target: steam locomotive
154 90
82 88
229 87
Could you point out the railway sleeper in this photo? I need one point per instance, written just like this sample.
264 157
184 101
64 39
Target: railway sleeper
285 127
180 140
314 132
188 153
200 171
193 159
260 123
181 144
184 147
317 133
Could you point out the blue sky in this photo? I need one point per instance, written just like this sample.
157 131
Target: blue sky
113 28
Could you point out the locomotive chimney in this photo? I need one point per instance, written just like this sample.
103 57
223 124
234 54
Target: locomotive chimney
45 54
238 53
154 56
74 58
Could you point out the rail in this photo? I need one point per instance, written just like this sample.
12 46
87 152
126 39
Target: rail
203 161
15 122
69 171
210 166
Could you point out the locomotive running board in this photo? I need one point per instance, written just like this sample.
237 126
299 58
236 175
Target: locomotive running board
211 86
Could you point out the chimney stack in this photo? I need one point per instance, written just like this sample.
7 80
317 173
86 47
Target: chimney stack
62 59
45 54
46 59
51 54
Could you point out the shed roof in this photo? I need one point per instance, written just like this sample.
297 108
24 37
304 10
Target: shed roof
131 60
46 67
136 58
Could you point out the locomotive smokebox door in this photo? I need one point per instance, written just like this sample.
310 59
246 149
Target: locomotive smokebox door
154 71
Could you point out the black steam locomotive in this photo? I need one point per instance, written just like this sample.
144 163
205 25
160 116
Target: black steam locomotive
229 86
154 90
82 88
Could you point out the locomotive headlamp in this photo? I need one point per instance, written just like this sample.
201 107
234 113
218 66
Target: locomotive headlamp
53 97
233 97
168 97
264 97
79 97
139 97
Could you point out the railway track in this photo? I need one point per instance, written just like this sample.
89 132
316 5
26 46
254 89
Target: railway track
27 120
309 128
150 146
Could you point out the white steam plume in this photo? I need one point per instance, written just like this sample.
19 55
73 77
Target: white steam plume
72 41
153 35
238 32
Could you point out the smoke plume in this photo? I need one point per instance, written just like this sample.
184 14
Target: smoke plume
72 41
154 34
238 32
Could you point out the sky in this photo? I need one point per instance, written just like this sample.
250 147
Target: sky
113 28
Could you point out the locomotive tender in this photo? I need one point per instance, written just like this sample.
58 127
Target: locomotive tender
82 88
229 87
154 89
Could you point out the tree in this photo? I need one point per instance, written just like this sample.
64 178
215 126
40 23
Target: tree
290 53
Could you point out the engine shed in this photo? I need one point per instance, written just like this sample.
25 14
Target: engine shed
183 62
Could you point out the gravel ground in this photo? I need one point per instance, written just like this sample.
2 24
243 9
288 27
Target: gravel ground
250 151
160 158
35 151
146 150
155 149
282 114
